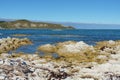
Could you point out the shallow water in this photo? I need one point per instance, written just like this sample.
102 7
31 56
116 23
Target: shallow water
44 36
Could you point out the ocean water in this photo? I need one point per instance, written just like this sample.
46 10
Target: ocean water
45 36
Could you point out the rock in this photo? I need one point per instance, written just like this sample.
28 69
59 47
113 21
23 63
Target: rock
111 42
9 44
111 76
24 69
1 62
47 48
74 48
2 77
17 73
32 67
5 55
60 44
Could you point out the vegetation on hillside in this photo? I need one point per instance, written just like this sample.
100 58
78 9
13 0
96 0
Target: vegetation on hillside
18 24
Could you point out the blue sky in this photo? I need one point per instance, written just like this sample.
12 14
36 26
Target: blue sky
81 11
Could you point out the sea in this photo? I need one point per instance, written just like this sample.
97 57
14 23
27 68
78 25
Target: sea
49 36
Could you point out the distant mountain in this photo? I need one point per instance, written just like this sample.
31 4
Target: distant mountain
91 26
8 23
3 19
23 24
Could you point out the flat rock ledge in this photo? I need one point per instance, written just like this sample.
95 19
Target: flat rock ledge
33 67
78 61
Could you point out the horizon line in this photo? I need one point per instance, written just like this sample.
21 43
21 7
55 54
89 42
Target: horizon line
61 21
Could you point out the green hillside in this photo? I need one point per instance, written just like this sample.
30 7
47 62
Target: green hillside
26 24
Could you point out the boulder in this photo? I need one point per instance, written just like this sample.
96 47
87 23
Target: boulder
47 48
73 47
9 44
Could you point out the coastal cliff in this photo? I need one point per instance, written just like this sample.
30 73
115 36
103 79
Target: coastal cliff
26 24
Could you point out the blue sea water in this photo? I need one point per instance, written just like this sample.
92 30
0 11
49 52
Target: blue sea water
45 36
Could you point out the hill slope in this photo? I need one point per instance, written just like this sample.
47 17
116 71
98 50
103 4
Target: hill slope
20 24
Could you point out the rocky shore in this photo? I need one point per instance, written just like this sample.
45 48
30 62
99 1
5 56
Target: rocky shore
75 61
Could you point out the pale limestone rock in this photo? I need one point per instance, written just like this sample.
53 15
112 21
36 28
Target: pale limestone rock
77 47
2 77
111 42
102 57
86 71
47 48
9 44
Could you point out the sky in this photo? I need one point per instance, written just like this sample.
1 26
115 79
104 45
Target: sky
80 11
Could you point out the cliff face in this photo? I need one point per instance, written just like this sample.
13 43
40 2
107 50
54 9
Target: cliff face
19 24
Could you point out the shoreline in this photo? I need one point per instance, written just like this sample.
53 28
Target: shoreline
76 61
